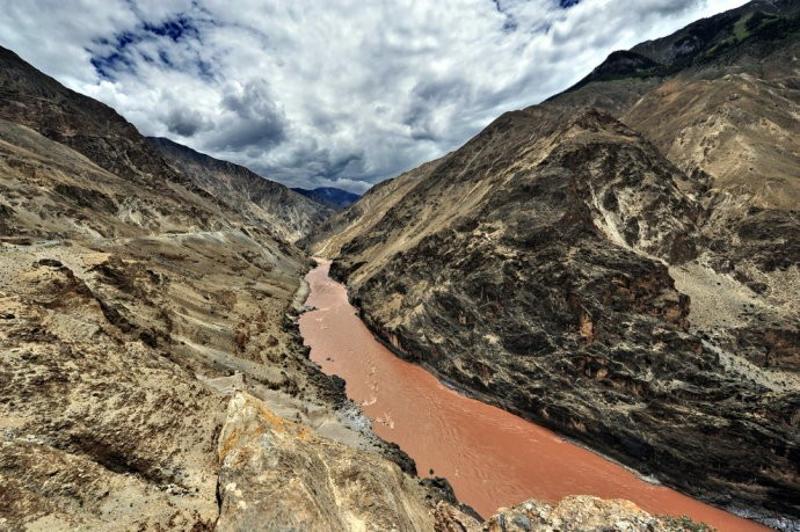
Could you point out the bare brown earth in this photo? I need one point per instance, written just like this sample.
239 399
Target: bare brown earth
619 263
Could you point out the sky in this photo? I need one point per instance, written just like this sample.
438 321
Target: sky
342 93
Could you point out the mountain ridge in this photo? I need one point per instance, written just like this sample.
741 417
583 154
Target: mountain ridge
291 214
332 197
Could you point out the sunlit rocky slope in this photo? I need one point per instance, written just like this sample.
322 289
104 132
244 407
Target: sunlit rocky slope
148 346
619 263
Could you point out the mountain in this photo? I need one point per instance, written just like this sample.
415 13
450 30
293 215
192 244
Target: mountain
32 99
723 92
291 215
151 372
621 263
335 198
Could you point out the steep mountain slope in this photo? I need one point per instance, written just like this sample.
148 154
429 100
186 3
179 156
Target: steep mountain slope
148 347
720 95
335 198
291 215
29 97
362 216
633 286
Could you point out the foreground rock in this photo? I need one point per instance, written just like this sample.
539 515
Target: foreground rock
279 475
583 513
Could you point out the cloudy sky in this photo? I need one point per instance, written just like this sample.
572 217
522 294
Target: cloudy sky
328 92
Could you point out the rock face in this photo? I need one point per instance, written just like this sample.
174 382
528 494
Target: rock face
334 198
259 200
722 98
281 475
606 265
30 98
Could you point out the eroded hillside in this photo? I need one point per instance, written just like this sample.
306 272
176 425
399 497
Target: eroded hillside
148 343
291 215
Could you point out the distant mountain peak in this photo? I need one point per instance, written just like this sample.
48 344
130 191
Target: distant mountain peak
332 197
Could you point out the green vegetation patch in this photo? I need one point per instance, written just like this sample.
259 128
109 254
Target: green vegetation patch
758 23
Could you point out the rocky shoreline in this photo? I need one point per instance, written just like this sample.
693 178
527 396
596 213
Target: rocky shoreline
394 344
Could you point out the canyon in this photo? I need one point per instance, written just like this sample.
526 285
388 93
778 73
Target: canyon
492 458
618 263
585 318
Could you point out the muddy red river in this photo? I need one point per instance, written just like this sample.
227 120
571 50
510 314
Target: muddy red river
491 457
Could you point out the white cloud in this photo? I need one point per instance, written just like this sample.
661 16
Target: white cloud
318 93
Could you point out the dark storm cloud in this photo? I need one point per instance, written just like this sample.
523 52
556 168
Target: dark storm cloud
338 93
258 123
185 122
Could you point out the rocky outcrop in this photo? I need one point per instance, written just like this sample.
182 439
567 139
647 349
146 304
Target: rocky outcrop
588 514
280 475
724 100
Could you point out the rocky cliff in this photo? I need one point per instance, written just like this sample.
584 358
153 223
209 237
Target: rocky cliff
618 263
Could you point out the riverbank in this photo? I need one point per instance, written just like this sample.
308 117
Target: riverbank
491 457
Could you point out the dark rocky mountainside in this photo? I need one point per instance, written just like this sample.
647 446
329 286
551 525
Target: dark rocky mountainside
257 199
335 198
33 99
619 263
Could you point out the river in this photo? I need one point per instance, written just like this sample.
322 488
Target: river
491 457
